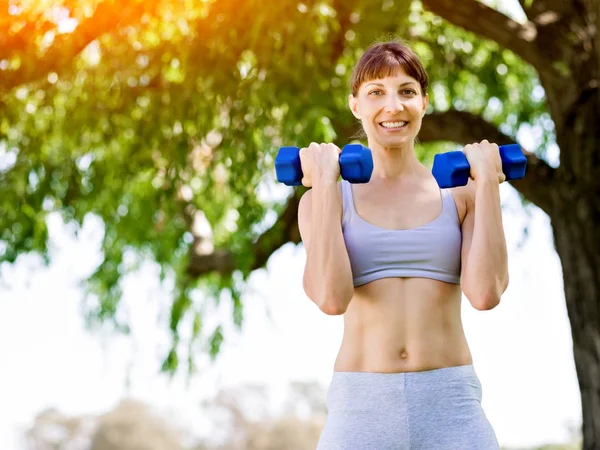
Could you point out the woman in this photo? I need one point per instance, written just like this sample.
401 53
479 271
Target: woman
392 255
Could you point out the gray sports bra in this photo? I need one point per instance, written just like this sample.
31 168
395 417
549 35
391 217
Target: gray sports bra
428 251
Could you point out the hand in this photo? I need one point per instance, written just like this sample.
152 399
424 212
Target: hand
320 162
484 159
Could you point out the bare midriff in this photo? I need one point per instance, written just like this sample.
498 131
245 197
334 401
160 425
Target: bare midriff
403 325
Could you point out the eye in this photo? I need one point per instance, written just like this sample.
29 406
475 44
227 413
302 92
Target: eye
408 92
376 92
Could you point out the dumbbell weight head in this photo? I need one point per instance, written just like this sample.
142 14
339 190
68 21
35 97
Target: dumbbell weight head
356 163
451 169
288 167
514 162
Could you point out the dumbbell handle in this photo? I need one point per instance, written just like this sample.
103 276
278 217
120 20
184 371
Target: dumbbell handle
452 169
356 165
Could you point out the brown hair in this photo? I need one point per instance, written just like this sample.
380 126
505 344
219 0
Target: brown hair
383 59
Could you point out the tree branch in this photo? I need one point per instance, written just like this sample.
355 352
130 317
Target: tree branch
465 128
224 261
484 21
283 231
21 37
108 16
538 10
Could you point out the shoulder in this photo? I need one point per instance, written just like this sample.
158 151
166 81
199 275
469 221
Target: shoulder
464 198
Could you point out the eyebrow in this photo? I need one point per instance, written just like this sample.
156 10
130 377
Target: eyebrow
403 84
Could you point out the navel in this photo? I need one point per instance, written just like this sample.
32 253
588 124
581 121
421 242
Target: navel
403 353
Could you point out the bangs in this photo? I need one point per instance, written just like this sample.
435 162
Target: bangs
388 59
377 68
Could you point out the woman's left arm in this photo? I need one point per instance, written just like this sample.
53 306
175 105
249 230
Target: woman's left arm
484 273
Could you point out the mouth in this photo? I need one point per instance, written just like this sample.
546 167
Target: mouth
392 126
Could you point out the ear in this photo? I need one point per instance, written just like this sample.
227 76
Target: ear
425 103
353 104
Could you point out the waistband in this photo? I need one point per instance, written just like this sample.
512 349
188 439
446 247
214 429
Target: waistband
443 374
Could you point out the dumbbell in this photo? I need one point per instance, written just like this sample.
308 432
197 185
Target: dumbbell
356 164
451 169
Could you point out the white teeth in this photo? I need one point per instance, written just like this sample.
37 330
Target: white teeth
393 124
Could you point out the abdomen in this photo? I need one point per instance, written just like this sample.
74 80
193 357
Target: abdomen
403 325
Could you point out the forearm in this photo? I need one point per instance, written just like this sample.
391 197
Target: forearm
327 275
487 271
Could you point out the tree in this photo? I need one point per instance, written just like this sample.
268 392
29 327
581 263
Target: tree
248 425
131 425
163 118
52 430
561 41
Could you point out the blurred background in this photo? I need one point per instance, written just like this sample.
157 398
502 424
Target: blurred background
150 264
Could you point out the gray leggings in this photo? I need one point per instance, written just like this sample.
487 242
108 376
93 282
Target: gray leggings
436 409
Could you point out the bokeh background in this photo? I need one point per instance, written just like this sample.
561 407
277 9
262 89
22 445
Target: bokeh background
150 264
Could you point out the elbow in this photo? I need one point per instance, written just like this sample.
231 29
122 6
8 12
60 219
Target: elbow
334 303
333 308
329 304
331 300
485 298
484 301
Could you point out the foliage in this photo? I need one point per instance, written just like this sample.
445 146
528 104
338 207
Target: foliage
130 425
235 424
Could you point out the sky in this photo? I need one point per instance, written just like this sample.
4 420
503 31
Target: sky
521 349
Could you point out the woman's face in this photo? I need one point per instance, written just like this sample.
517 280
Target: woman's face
390 109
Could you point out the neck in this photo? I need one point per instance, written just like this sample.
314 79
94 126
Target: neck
393 163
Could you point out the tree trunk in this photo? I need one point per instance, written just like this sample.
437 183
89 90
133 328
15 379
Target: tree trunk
578 246
575 219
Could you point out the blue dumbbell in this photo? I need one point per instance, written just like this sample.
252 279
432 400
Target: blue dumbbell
452 169
356 164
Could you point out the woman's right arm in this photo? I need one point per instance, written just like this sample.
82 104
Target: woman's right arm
327 277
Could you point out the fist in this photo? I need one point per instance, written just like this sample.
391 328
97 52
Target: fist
320 162
484 159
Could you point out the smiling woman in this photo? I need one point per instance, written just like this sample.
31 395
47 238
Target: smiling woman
393 255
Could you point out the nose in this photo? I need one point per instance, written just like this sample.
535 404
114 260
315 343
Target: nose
394 104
